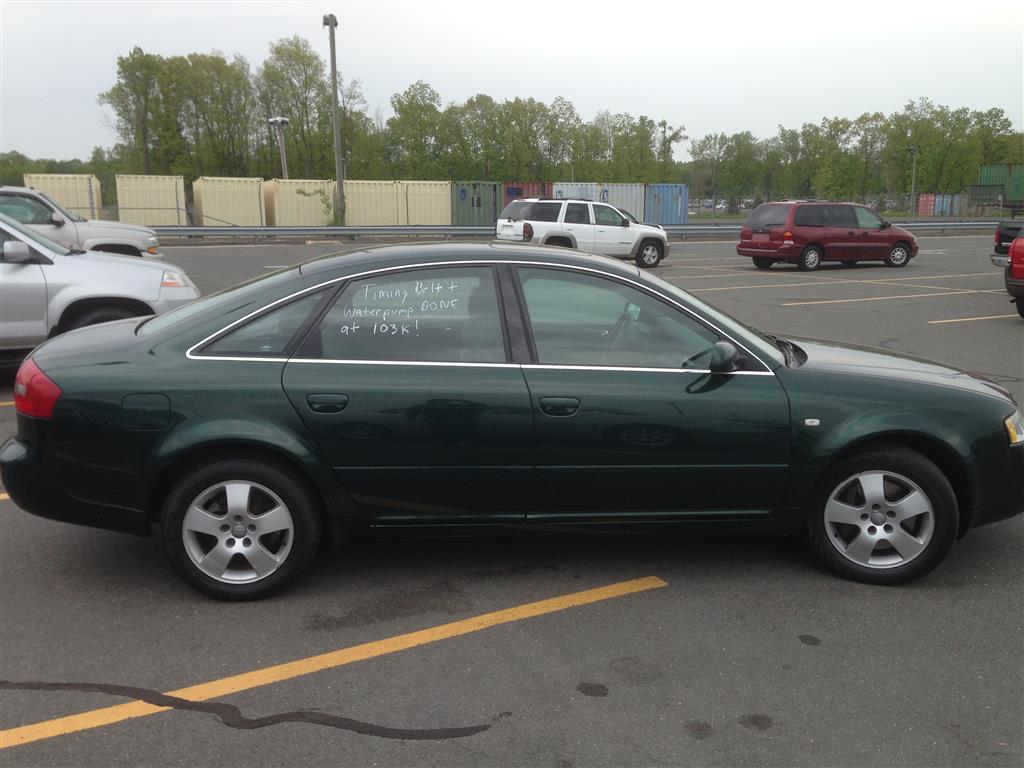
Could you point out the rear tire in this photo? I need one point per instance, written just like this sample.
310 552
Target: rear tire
883 516
239 529
101 315
1020 307
762 262
650 254
810 259
899 256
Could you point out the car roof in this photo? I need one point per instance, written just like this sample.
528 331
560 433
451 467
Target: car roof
10 188
411 254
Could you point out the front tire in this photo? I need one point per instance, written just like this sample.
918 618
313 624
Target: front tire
763 262
899 256
884 516
810 259
100 315
239 529
650 254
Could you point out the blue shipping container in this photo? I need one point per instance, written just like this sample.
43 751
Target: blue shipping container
666 204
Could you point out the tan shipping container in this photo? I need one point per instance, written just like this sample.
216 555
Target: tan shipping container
78 192
300 202
151 201
397 203
221 201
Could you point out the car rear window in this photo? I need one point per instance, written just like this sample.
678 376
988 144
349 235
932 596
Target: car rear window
769 215
809 216
544 212
514 210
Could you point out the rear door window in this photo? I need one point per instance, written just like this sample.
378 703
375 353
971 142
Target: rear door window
769 215
809 216
577 213
544 212
840 215
269 334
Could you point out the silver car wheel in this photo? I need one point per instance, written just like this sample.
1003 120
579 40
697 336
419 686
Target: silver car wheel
649 255
898 255
812 259
237 532
879 519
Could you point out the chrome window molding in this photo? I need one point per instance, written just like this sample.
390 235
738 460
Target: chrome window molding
191 353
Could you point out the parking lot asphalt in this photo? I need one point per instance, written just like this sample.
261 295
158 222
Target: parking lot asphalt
546 651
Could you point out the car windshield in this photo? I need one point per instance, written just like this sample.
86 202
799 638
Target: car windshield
762 344
237 294
34 237
66 213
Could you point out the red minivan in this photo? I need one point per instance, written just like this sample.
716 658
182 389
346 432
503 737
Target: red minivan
808 233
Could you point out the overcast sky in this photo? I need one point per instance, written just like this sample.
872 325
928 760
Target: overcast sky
711 66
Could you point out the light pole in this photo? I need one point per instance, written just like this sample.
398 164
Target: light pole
913 181
331 22
278 123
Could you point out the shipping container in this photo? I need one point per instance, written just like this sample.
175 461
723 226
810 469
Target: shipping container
424 202
78 192
370 203
222 201
666 204
515 190
581 190
475 203
943 204
299 202
959 206
1009 176
151 200
926 205
984 194
629 197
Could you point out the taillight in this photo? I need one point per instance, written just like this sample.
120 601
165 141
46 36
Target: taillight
35 393
998 240
1017 259
527 231
788 235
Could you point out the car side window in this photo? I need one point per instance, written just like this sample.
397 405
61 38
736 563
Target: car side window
603 214
809 216
422 315
577 213
841 216
24 209
269 334
545 211
580 319
866 219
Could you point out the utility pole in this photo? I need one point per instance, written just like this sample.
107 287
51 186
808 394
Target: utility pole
913 182
279 123
331 22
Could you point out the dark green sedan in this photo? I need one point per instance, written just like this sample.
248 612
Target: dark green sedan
494 387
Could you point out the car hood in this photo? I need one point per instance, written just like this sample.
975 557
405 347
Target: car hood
832 356
648 228
116 229
156 266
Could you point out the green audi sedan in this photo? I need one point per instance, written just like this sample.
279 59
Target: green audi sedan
487 387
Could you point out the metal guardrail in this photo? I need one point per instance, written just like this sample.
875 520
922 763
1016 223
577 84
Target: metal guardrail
730 228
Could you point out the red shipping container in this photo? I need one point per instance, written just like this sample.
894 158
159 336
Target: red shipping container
514 190
926 205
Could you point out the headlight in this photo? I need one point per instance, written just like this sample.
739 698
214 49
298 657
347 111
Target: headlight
1015 428
174 280
152 239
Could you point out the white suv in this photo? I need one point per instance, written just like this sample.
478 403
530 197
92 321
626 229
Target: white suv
582 224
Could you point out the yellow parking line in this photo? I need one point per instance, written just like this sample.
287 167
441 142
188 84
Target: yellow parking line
969 319
882 298
215 689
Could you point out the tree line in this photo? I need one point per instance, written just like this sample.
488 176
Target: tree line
206 115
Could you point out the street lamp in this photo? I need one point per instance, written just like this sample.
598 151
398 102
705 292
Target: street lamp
331 22
278 124
913 181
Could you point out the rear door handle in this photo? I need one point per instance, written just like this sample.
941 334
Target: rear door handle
560 407
327 403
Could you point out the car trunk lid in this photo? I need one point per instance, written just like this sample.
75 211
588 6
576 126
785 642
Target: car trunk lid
103 344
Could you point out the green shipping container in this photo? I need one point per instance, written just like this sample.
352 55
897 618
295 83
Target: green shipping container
1009 176
475 203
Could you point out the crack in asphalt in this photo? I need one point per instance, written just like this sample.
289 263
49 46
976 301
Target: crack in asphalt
232 717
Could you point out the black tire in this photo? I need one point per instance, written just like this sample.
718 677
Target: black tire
810 259
290 551
763 262
649 254
1019 303
928 535
100 315
899 256
560 242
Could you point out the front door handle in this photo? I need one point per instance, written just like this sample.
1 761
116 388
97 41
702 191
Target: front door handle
327 403
560 407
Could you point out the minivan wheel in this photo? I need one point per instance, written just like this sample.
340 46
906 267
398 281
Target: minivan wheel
763 262
239 529
885 516
650 254
898 256
810 259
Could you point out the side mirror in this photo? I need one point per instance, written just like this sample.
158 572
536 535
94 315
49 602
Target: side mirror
886 224
723 357
625 222
56 219
17 252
